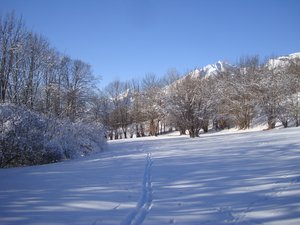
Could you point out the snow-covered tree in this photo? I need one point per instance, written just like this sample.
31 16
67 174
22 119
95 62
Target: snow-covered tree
271 92
241 94
294 76
136 110
152 102
119 95
188 105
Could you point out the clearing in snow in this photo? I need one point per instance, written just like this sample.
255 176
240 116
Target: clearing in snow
241 178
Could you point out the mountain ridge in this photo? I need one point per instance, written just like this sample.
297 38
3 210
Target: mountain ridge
220 66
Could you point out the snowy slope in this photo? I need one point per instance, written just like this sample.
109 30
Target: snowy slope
204 72
221 66
282 62
242 178
210 70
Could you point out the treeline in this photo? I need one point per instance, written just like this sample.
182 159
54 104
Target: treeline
35 75
232 98
48 86
134 108
237 95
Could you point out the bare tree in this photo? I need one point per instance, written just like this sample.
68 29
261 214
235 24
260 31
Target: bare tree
11 37
79 83
35 49
119 94
170 77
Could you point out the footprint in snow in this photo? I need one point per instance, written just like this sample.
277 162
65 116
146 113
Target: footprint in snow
172 221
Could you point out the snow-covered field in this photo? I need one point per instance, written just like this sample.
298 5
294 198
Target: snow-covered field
221 178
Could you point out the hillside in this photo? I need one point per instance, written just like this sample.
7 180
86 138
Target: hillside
241 178
280 62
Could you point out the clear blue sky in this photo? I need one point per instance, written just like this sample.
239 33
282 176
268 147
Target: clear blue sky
129 38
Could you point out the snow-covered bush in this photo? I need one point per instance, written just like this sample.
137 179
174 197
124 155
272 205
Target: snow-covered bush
77 139
28 138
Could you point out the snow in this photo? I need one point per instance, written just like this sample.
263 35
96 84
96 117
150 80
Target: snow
282 61
295 55
213 69
209 70
217 179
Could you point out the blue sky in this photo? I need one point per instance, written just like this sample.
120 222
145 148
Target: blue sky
125 39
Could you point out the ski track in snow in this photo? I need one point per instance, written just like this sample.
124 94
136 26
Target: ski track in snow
219 179
137 216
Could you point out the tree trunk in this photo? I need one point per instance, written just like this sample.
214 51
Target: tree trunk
152 129
137 131
142 130
161 128
157 128
197 132
285 123
3 74
271 122
192 132
205 126
116 135
111 136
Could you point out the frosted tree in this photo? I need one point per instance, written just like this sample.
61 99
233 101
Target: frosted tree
171 76
152 102
220 91
271 92
294 76
136 110
100 109
242 95
120 97
186 105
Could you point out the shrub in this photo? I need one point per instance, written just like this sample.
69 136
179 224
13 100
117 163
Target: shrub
28 138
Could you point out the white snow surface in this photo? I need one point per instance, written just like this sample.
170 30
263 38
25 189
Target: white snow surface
283 61
217 179
209 70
